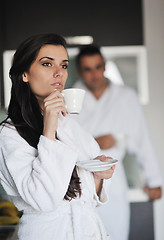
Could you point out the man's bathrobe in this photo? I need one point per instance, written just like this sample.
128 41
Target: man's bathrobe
37 181
118 112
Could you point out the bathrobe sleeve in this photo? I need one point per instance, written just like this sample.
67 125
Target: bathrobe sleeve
103 197
40 177
86 146
140 142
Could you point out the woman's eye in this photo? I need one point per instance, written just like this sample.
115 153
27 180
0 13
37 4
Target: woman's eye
46 64
65 66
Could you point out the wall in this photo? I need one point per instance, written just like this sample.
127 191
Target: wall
154 40
113 22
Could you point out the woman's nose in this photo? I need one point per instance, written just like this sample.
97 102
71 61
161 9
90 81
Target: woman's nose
58 72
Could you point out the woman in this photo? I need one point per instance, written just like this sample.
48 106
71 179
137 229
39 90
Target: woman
40 146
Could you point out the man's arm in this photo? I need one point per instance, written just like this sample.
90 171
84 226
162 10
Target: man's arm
106 141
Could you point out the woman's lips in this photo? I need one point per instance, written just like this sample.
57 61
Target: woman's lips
57 85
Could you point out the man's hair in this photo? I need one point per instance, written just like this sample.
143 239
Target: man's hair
88 50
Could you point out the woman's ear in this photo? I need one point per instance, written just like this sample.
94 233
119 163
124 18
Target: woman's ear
24 77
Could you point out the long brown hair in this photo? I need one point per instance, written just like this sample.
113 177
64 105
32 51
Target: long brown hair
24 109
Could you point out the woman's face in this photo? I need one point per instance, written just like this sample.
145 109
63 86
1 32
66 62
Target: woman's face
48 71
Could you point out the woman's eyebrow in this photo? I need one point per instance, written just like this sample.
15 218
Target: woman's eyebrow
50 58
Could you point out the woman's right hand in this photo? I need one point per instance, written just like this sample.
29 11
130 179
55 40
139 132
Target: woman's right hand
53 105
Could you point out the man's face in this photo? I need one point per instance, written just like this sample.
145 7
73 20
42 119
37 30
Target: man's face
92 71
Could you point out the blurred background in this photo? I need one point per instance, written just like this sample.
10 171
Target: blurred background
131 35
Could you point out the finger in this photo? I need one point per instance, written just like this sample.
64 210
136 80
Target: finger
113 167
104 174
60 109
54 100
153 197
98 174
54 107
103 158
53 104
154 194
54 94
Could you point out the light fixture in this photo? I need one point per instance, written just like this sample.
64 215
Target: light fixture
79 40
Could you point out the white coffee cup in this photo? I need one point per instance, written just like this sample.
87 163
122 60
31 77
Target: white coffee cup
73 99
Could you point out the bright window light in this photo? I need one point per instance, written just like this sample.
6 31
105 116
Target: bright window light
112 72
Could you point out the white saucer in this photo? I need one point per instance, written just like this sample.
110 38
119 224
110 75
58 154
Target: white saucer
95 165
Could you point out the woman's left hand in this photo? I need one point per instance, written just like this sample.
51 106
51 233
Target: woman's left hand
100 175
106 174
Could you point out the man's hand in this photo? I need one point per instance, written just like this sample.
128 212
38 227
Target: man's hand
153 193
106 141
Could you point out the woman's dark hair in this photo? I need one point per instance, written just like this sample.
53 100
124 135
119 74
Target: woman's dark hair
24 109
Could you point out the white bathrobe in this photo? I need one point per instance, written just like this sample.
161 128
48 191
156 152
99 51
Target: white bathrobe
119 113
37 181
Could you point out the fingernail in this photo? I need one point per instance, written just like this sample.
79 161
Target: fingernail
54 90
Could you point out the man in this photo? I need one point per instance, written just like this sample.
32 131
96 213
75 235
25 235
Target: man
114 116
